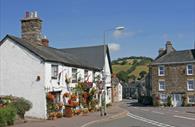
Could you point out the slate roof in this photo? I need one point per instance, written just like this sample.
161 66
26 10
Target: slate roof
93 54
50 54
184 56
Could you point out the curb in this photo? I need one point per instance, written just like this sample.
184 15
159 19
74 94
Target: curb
116 116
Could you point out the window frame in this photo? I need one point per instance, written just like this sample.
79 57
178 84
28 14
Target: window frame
54 71
163 97
86 73
193 102
159 85
74 75
159 70
187 69
188 85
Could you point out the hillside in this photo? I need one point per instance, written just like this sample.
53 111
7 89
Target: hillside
131 67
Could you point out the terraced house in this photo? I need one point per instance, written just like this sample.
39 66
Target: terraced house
172 74
30 68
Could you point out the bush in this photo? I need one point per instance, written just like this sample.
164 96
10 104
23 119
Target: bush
169 101
7 116
22 105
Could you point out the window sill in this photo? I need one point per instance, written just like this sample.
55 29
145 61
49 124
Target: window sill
161 90
191 89
161 75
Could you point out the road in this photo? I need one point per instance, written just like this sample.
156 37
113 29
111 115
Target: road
140 116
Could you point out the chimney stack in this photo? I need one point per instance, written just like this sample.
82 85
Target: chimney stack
161 51
31 28
169 47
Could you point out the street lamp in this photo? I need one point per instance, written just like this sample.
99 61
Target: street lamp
118 28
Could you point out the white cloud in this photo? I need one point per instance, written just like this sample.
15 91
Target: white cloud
113 47
118 34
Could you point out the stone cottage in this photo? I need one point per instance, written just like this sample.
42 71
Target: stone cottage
172 74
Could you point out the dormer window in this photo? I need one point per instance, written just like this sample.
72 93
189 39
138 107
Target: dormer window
189 69
161 70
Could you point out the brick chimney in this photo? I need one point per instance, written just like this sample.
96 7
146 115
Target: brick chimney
31 28
169 47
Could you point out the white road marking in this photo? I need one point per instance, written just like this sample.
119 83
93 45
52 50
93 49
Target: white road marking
149 121
158 112
184 117
144 109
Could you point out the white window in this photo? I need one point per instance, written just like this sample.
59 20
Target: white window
191 99
161 85
74 75
189 69
54 71
85 74
163 97
190 85
161 70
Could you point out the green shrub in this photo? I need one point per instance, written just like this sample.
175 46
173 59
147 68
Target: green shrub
7 116
22 105
169 101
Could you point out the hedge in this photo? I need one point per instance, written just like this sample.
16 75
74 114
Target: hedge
7 116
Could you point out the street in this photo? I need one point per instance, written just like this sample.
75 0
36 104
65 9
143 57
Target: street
139 116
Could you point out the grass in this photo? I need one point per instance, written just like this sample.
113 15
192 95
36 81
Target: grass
117 67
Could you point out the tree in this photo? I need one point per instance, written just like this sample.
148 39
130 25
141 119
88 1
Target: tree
122 75
133 77
142 74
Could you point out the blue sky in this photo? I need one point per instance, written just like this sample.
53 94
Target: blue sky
73 23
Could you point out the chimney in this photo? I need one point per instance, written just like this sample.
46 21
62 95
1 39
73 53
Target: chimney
31 28
161 51
169 47
45 41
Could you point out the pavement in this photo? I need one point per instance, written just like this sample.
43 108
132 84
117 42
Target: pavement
113 112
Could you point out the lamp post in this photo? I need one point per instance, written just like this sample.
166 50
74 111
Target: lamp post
118 28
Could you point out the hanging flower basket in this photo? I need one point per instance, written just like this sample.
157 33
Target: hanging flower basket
66 94
50 96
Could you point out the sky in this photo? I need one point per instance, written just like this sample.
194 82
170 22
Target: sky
75 23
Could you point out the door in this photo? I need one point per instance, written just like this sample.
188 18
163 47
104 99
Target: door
177 101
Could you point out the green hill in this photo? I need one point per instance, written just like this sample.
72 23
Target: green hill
131 67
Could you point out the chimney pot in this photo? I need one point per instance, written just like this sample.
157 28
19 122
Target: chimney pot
35 14
45 42
27 14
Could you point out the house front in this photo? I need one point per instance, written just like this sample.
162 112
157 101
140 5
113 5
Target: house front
172 74
29 68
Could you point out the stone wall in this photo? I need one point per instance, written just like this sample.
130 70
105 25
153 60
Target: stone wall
175 79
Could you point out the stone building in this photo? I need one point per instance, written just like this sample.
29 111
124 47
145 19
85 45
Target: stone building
172 74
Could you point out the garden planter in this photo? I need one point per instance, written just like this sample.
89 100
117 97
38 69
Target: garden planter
68 111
